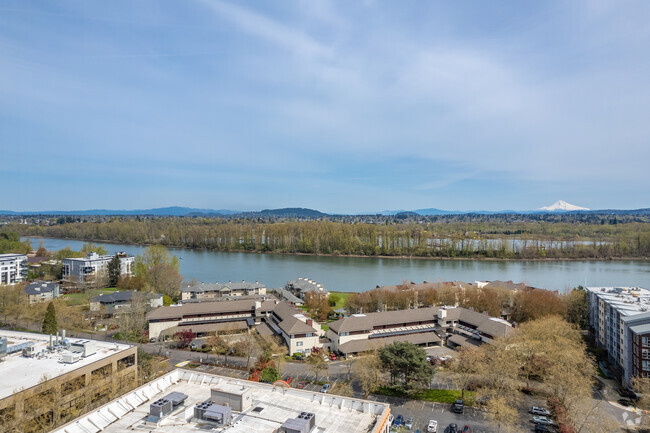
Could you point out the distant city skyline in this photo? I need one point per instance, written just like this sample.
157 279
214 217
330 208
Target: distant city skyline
336 106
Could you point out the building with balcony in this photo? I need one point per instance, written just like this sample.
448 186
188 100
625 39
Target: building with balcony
303 286
619 321
94 267
204 291
49 380
13 268
300 333
421 326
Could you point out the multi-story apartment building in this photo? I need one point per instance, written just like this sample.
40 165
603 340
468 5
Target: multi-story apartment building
90 269
13 268
204 291
47 381
300 333
303 286
619 320
422 326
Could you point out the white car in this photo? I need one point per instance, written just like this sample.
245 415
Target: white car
535 410
409 423
543 420
433 426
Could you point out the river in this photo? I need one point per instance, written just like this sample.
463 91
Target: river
357 274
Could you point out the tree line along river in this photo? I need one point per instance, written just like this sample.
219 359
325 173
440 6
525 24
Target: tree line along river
358 274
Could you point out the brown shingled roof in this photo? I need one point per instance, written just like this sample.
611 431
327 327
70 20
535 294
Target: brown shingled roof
178 312
366 322
291 324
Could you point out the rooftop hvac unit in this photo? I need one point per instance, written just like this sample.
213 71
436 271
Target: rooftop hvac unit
304 423
70 357
29 351
160 408
206 411
85 347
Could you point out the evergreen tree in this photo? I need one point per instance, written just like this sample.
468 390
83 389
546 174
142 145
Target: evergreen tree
49 322
114 271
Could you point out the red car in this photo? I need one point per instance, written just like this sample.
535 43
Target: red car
332 357
301 385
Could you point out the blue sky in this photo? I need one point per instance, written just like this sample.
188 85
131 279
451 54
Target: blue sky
338 106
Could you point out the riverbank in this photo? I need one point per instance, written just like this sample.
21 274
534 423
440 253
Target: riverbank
400 257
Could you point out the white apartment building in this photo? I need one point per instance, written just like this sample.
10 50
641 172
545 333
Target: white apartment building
13 268
88 269
619 318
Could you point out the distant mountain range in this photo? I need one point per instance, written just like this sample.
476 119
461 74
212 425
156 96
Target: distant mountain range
557 207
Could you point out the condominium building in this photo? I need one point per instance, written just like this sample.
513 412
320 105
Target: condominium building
93 267
188 401
208 317
49 380
300 333
208 291
619 320
303 286
421 326
13 268
113 302
41 292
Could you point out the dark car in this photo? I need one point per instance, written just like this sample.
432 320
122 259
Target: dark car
399 420
466 429
452 428
458 406
540 428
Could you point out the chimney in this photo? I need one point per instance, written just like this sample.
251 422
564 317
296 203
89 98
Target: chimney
310 322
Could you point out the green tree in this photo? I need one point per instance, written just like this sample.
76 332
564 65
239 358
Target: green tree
406 363
367 370
160 270
576 303
167 301
114 271
269 374
49 322
89 247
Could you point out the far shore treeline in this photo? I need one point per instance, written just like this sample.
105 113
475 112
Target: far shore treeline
479 237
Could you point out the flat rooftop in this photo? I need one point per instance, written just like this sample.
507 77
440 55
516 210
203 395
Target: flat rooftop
271 407
19 372
627 301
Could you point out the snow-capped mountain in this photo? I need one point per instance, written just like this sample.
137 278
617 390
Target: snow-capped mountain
561 205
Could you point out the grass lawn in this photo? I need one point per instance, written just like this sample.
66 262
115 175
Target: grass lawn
82 298
437 395
343 296
324 327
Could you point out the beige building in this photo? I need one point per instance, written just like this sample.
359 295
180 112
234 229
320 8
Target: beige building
47 381
299 332
185 401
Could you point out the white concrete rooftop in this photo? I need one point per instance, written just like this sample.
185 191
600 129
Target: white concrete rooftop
19 372
273 406
626 300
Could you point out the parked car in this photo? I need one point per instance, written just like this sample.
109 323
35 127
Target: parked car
333 356
288 379
301 384
325 388
152 340
543 420
409 423
391 418
541 428
432 427
466 429
536 410
399 420
451 428
458 406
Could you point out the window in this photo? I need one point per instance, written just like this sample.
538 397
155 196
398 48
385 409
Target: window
645 341
307 351
299 343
